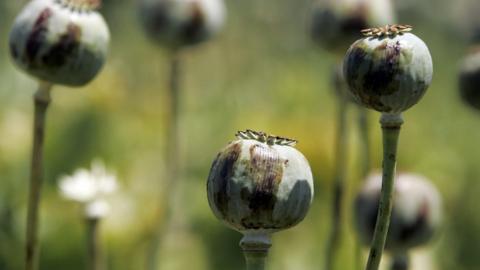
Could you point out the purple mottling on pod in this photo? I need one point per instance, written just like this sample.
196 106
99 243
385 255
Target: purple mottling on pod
60 41
469 78
416 215
178 23
388 73
260 186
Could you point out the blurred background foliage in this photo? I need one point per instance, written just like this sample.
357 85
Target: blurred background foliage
262 72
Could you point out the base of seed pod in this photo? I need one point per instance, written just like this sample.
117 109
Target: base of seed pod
255 246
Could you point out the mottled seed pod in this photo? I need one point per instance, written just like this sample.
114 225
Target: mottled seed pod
389 70
336 24
260 183
416 213
178 23
60 41
469 78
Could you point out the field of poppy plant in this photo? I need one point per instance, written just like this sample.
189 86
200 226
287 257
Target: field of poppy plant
211 135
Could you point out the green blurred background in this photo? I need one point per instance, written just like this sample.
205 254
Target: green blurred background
262 72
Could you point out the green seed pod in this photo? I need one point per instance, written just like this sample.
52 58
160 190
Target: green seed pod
389 70
60 41
469 78
178 23
260 184
336 24
416 213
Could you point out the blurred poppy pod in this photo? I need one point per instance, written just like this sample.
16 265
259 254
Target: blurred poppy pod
178 23
260 183
389 70
469 78
60 41
416 213
337 23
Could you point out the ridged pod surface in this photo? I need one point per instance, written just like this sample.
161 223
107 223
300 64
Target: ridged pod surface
60 41
469 78
388 73
179 23
416 214
255 186
336 24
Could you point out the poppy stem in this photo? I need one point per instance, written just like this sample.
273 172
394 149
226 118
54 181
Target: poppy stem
391 124
41 101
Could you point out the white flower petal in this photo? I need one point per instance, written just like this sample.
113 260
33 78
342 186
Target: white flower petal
89 187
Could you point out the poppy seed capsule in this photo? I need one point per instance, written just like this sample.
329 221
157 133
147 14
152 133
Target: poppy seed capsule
178 23
469 78
260 184
416 212
389 70
60 41
337 23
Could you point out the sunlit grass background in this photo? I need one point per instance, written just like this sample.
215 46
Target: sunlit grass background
263 73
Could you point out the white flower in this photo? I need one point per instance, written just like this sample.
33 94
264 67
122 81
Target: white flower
90 187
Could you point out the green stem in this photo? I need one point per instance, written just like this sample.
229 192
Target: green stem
171 157
94 261
391 124
41 101
339 179
365 167
255 249
400 262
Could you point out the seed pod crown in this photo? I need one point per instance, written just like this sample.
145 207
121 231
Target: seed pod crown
81 5
265 138
388 30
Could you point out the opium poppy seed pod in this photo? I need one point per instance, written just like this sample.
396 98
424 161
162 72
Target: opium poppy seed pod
336 23
60 41
416 214
178 23
389 70
258 185
469 78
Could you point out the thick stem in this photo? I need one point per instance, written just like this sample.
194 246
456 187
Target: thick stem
171 157
400 262
41 101
255 249
338 180
391 129
94 261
